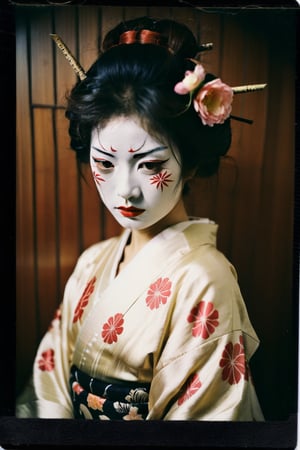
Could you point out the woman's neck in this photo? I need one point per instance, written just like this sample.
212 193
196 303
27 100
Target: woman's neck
139 238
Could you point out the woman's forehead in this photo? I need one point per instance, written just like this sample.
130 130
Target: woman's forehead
124 134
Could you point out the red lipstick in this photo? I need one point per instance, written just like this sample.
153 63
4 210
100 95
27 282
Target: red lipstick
131 211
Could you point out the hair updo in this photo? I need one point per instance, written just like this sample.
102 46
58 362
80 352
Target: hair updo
139 64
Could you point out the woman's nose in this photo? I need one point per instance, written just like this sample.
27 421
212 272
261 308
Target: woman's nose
127 188
132 194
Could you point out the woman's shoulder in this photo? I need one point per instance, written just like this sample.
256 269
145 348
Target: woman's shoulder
97 251
203 258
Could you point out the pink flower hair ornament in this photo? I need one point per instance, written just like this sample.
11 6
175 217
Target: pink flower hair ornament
212 100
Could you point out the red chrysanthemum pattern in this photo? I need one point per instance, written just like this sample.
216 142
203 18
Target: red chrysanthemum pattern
97 177
89 289
158 293
46 362
192 386
112 328
204 318
161 179
233 362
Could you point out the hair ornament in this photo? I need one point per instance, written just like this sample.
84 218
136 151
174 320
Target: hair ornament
128 37
211 100
149 37
205 47
248 88
141 37
69 57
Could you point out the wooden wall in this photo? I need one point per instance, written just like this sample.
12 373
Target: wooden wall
252 198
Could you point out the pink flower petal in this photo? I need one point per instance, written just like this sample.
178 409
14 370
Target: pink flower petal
181 89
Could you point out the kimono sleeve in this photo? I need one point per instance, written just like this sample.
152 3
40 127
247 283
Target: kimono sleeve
50 392
202 372
211 382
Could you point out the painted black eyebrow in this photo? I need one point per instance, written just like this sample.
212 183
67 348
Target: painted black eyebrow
135 156
102 151
156 149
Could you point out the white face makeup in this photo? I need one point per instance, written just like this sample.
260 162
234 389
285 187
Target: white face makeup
138 178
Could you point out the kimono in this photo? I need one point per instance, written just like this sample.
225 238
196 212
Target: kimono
171 328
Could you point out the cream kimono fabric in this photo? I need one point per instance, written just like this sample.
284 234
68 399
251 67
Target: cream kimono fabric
174 316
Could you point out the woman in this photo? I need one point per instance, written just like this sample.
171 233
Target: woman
152 325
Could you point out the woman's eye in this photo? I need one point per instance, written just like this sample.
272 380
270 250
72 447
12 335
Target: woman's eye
151 167
103 164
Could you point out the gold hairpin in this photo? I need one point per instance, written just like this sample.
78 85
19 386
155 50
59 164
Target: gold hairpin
205 47
68 55
248 88
242 90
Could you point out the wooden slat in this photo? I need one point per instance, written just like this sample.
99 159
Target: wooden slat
132 12
210 30
232 215
233 70
88 32
41 57
68 205
159 12
199 200
223 200
249 153
273 245
110 17
25 263
65 76
46 215
187 16
224 204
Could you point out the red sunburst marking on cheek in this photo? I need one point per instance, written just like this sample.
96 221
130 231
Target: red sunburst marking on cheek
161 180
98 178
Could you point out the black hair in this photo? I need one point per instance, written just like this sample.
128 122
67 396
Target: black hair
137 80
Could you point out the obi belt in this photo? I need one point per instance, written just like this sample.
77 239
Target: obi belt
99 400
